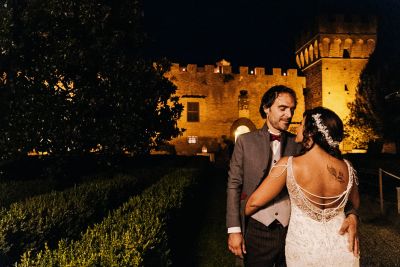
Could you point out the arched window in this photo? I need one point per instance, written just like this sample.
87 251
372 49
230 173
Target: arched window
241 130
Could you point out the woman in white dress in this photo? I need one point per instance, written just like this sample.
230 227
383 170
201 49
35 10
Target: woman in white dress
320 183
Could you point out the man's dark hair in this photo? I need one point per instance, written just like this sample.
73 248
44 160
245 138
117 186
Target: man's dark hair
271 94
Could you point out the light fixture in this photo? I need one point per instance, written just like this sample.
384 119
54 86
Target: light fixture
394 94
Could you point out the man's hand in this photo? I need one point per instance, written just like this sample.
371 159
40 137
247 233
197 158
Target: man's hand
236 244
350 226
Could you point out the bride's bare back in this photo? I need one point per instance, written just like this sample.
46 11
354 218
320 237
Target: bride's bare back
321 175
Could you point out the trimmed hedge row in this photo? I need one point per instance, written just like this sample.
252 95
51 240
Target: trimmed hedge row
133 235
50 217
13 191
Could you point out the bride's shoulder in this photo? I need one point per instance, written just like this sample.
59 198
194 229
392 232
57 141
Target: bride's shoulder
299 158
283 160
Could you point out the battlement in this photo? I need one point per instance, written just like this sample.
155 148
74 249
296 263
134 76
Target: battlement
337 36
337 24
227 69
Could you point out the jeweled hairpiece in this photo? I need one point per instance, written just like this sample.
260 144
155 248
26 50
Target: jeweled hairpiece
324 130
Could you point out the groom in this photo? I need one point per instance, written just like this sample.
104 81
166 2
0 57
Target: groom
260 239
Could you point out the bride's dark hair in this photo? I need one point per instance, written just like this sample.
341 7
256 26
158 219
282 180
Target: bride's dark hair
314 129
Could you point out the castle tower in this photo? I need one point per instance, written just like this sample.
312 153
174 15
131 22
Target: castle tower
332 55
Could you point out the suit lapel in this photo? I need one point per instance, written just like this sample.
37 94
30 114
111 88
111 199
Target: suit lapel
283 143
265 150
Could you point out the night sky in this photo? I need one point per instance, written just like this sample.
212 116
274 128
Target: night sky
246 33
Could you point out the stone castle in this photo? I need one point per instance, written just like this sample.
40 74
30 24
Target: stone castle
220 104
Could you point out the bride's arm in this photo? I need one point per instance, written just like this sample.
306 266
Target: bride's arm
269 188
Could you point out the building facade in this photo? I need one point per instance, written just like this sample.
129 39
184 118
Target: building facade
220 104
331 55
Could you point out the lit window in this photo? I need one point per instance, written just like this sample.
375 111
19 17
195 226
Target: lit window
192 139
241 130
193 112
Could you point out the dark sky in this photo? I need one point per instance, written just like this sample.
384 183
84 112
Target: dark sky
246 33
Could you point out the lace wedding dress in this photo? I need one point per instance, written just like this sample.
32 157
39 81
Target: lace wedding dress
313 238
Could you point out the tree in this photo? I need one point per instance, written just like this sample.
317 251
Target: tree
363 124
376 111
75 80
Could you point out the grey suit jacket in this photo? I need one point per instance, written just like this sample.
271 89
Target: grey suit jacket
250 163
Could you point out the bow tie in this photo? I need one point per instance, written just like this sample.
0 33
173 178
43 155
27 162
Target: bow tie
273 137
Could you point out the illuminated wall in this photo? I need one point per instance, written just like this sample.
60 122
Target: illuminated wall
332 55
225 100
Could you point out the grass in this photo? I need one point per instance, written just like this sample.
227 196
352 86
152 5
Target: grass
200 238
212 249
379 234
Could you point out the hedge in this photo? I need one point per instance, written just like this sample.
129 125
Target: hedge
14 191
133 235
48 218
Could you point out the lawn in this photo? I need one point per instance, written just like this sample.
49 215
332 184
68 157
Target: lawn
198 237
379 233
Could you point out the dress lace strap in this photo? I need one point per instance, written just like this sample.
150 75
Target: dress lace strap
278 175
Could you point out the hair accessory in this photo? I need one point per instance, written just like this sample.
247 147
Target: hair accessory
324 130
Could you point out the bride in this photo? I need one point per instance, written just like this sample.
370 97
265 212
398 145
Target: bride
320 183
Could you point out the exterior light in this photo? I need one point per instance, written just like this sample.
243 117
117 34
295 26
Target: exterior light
204 149
284 74
394 94
252 72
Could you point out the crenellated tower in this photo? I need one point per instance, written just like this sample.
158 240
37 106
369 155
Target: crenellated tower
331 54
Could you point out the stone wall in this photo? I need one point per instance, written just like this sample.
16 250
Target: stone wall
339 82
313 92
217 91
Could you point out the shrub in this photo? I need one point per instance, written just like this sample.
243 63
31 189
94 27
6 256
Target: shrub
50 217
13 191
134 235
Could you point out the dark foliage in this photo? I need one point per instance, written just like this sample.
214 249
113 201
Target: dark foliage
377 105
75 80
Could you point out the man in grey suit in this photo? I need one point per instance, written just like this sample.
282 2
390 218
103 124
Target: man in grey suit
260 239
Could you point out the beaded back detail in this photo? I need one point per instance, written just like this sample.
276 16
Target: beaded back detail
298 196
